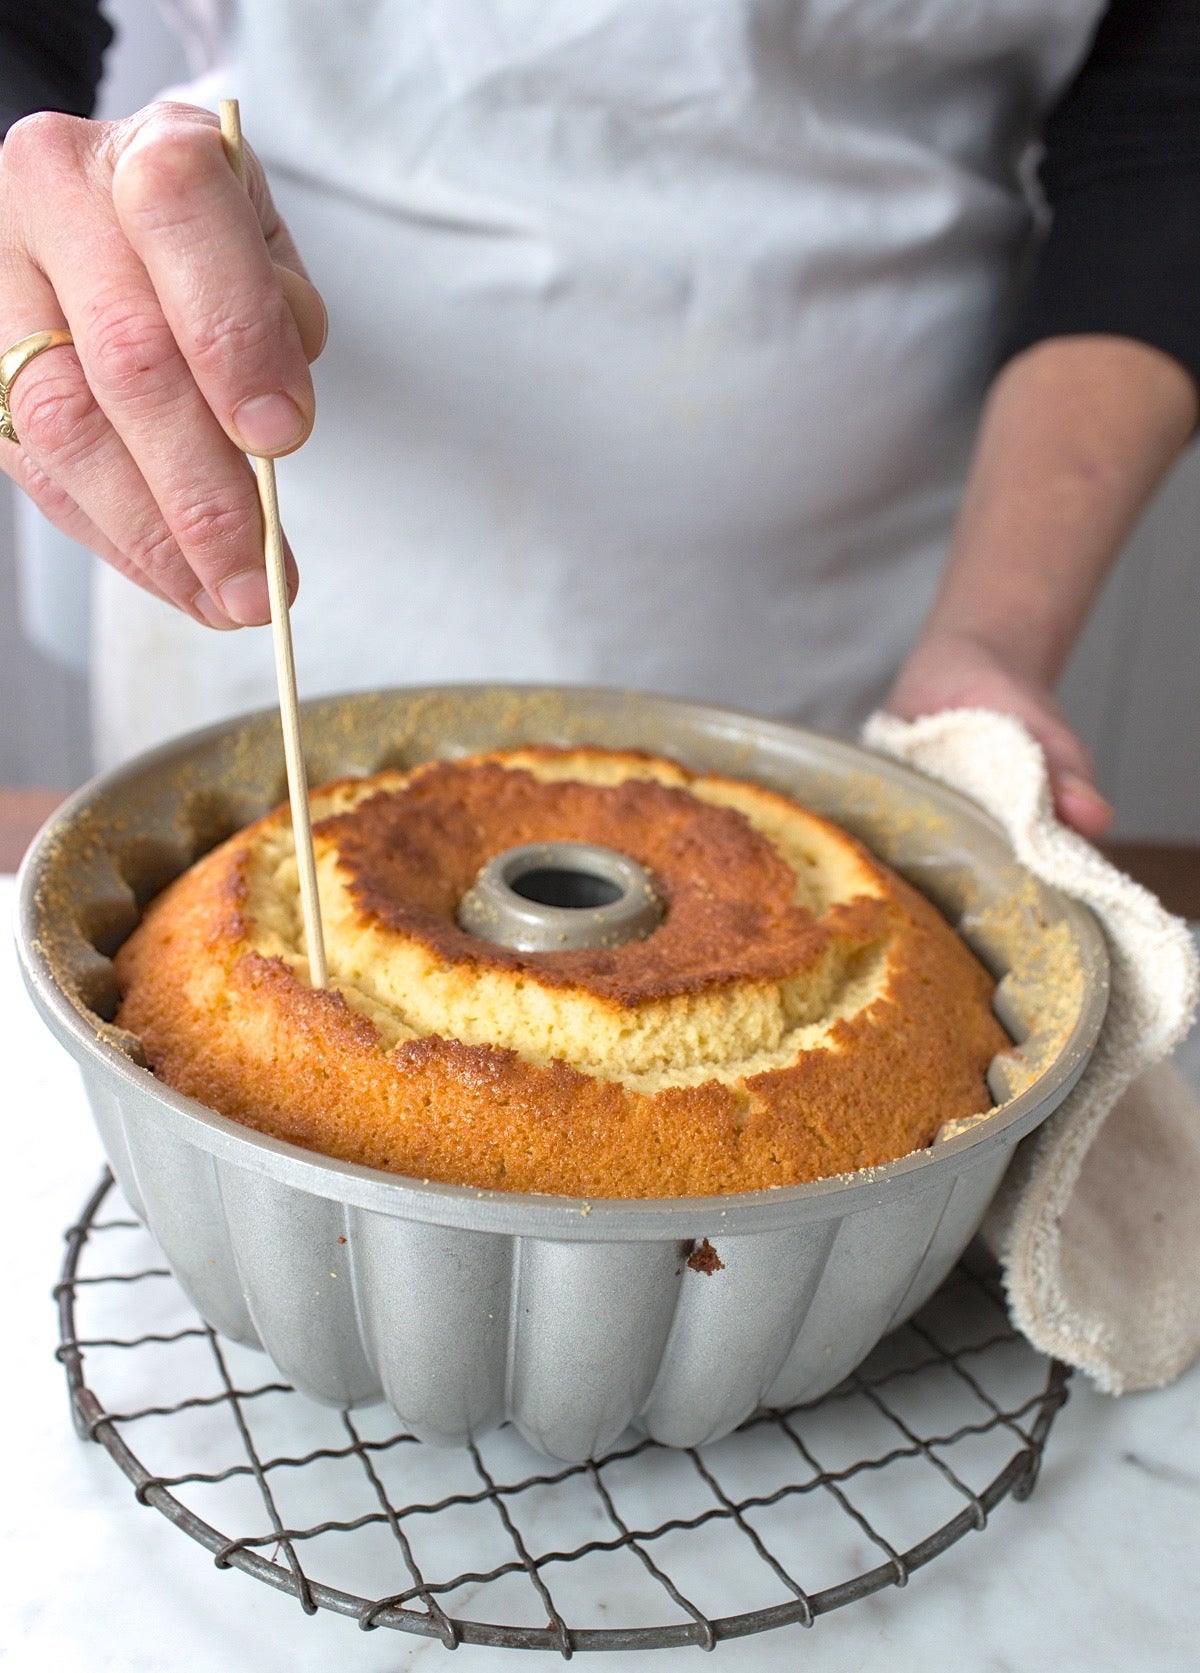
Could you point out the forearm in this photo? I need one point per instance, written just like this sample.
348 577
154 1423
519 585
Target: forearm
1076 435
1098 395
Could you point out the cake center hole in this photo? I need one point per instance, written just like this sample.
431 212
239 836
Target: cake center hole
560 886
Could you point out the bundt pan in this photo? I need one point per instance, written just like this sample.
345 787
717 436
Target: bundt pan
573 1319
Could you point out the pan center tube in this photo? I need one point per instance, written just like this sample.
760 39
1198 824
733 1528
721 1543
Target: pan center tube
557 897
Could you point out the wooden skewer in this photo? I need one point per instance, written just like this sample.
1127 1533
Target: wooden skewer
281 634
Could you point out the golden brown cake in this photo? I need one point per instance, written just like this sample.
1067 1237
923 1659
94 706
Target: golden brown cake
799 1012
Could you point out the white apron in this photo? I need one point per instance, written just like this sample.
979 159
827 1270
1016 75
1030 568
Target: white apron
658 335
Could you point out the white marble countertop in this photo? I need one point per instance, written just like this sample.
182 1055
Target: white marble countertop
1097 1571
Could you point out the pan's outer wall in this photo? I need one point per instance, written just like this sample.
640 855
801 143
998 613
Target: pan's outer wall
464 1308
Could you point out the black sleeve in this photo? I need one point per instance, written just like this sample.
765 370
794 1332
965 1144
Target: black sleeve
1121 174
51 56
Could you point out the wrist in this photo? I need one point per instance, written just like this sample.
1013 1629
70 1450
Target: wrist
1013 647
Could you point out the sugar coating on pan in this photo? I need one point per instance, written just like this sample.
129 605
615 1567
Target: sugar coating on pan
800 1012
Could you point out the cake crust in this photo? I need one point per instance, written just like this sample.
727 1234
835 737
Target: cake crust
800 1012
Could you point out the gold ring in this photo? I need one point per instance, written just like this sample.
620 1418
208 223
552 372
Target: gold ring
14 361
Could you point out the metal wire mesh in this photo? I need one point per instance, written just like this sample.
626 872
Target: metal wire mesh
800 1512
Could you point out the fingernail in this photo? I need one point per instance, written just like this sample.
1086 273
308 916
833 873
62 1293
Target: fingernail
244 597
210 611
269 423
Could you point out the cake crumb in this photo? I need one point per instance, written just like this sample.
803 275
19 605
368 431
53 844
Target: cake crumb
704 1258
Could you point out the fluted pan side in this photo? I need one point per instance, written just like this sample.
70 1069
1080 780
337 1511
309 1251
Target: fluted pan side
961 1218
110 1113
291 1255
590 1321
175 1189
870 1269
732 1329
434 1302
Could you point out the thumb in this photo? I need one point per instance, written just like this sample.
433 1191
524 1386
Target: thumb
307 308
1077 802
1080 805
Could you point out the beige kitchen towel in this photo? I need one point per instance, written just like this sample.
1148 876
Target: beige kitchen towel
1097 1223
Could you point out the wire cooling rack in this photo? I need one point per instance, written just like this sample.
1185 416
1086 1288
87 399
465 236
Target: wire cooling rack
799 1513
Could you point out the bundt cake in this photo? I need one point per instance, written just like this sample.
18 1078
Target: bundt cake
795 1011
